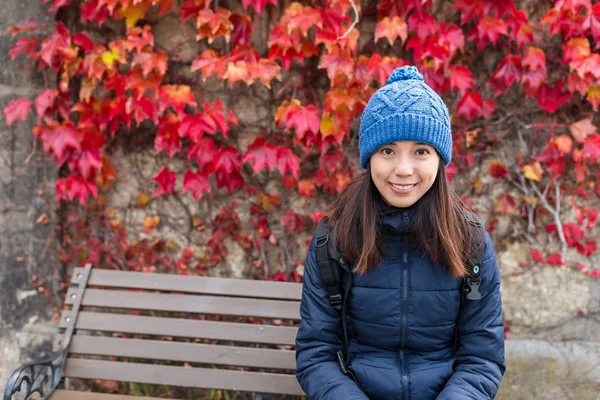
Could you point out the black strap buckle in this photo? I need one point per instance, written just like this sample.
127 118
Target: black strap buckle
336 301
472 288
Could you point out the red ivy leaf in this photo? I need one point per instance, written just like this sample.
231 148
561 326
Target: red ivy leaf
75 186
536 256
228 160
45 101
461 79
554 259
204 150
302 118
166 180
17 110
258 5
83 41
497 170
26 45
591 147
261 155
232 181
293 222
167 137
470 106
587 249
551 98
23 26
197 183
287 160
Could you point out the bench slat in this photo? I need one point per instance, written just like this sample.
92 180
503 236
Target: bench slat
188 303
192 284
184 352
179 327
75 395
182 376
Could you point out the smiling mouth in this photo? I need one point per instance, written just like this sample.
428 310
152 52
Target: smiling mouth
403 187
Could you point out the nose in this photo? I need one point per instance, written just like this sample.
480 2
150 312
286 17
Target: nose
404 167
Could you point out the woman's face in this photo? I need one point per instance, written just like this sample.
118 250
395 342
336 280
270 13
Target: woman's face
404 171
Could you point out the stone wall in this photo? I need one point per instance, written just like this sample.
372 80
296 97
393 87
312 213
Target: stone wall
27 252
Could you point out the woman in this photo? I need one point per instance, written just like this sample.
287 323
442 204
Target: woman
407 236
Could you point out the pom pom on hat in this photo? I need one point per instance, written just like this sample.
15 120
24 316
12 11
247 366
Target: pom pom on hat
404 74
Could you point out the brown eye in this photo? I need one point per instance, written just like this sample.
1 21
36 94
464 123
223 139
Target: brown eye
422 152
389 153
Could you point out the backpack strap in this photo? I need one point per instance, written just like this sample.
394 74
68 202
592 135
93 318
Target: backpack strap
328 268
469 289
336 275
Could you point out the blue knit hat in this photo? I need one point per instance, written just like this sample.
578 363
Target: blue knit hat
405 109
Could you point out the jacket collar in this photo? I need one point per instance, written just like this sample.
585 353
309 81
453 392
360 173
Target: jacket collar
395 219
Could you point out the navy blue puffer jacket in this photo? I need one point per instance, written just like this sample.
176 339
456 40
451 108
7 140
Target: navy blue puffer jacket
401 319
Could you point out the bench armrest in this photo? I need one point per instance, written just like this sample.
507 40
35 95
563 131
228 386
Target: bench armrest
39 377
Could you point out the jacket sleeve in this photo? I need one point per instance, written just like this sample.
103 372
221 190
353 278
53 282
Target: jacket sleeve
479 364
318 340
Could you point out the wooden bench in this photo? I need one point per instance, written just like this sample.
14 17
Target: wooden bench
163 329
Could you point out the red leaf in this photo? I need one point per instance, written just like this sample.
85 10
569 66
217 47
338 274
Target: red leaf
258 5
332 160
228 160
536 256
167 137
59 139
591 147
83 41
88 160
17 110
551 228
293 222
505 204
509 70
176 96
554 259
551 98
497 170
75 186
26 25
204 150
45 101
214 115
470 106
197 183
306 188
587 249
57 4
166 180
469 9
287 160
56 49
261 155
391 29
534 69
302 118
232 181
488 30
461 79
423 24
27 45
573 233
592 22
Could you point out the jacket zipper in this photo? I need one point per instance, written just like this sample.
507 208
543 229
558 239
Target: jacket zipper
404 322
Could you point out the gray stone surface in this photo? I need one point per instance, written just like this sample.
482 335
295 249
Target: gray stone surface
26 192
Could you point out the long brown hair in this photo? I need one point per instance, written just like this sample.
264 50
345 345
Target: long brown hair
440 223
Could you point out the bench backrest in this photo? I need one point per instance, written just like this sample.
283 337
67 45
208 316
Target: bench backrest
162 325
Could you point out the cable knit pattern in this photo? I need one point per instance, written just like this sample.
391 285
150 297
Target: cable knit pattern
405 109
